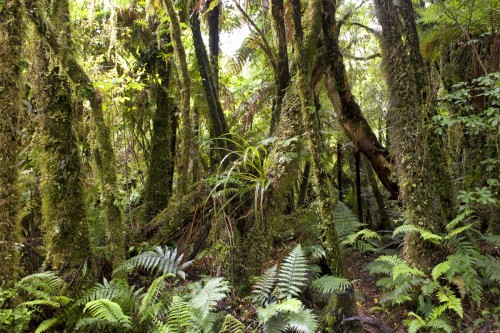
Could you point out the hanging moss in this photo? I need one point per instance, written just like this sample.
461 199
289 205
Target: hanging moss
11 40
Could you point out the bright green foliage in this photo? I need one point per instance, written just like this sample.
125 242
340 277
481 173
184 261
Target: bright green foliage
232 325
462 274
277 294
328 284
108 312
161 260
348 225
12 320
293 273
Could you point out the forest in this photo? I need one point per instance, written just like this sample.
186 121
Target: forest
233 166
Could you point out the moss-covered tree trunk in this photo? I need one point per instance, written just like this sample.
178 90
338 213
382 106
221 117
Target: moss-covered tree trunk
11 41
158 187
104 153
344 305
409 144
218 124
282 73
186 130
63 204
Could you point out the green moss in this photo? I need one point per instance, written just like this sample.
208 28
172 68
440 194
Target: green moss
11 40
63 205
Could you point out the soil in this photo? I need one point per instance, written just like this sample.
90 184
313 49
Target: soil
368 294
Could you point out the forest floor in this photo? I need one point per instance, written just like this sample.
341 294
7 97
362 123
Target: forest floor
368 294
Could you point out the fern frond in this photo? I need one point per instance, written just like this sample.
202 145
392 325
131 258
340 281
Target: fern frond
163 261
42 285
448 297
47 324
293 273
206 299
415 324
441 323
328 284
151 296
116 290
345 221
304 321
179 315
108 311
232 325
405 229
264 287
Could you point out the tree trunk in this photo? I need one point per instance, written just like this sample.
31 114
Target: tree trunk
219 128
186 131
160 174
406 118
350 115
213 39
282 74
344 306
11 84
104 154
63 202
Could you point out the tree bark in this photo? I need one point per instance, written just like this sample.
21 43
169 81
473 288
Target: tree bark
11 41
219 128
282 74
186 131
350 115
160 174
104 154
213 39
406 117
345 306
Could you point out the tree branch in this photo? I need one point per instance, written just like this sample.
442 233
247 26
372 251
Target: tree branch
265 47
370 57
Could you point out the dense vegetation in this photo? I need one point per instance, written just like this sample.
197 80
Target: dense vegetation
231 166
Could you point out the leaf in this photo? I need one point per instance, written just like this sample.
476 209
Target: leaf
46 324
293 273
328 284
108 311
440 269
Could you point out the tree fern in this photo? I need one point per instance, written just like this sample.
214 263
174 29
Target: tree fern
293 273
161 260
232 325
108 311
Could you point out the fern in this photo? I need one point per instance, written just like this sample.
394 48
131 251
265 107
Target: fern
42 285
116 290
150 298
328 284
264 287
108 311
162 261
232 325
179 315
206 299
293 273
345 221
47 324
303 321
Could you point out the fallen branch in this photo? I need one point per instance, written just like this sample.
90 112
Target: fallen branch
374 322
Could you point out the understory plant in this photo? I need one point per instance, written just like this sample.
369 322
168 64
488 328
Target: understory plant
167 305
277 294
456 282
